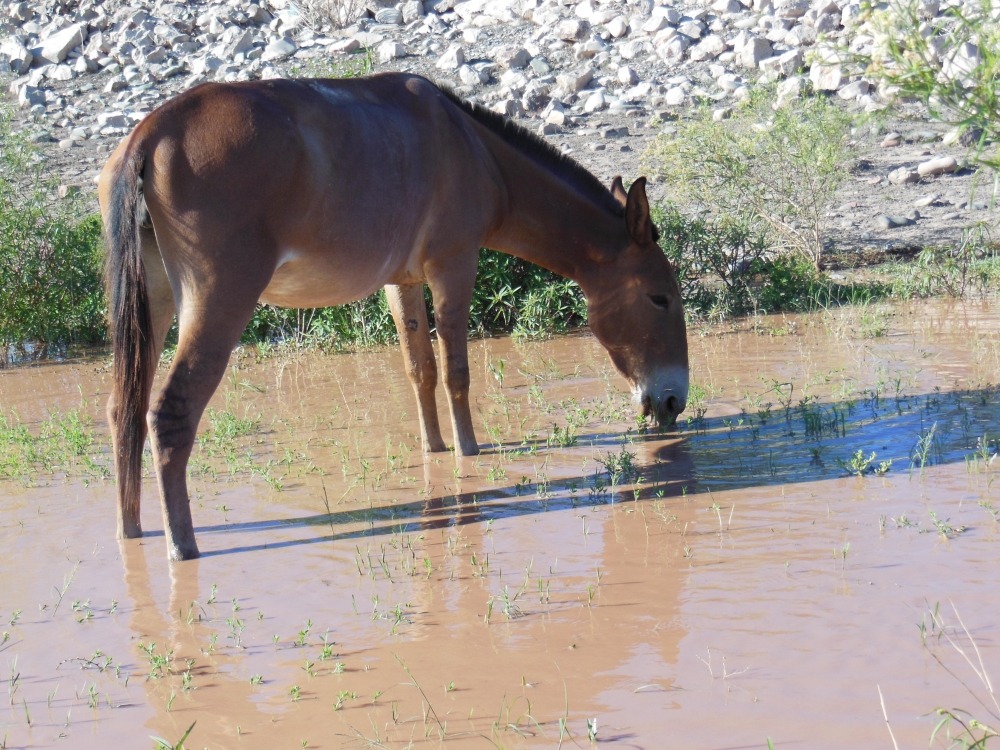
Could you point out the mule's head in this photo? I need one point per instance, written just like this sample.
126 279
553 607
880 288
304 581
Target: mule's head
635 311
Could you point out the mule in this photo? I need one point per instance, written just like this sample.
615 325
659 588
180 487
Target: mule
310 193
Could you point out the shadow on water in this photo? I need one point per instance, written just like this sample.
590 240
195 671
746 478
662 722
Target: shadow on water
806 442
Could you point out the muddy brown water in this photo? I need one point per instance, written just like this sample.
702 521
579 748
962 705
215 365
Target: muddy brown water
745 587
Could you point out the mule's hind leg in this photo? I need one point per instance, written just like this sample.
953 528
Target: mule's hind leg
451 284
210 324
161 311
409 312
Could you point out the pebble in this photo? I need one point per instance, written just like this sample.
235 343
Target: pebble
941 165
926 200
892 222
903 175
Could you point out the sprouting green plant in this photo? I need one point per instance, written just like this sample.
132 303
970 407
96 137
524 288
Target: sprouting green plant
859 465
620 466
926 445
944 528
162 744
303 634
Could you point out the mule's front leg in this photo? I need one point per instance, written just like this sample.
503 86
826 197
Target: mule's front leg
409 312
452 290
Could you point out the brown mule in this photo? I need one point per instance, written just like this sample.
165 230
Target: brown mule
309 193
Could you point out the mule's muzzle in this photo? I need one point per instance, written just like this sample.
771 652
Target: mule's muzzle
665 410
666 399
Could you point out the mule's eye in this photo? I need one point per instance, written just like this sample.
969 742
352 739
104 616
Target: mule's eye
659 300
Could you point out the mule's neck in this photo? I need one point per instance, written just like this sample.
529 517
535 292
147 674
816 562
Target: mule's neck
548 222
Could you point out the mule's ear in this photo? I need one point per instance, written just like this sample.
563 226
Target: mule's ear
618 191
637 221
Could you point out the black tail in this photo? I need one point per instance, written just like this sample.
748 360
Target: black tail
131 333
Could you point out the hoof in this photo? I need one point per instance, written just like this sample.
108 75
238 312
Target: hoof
435 448
180 554
131 531
467 451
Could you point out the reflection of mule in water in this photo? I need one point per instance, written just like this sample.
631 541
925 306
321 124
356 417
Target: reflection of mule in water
314 193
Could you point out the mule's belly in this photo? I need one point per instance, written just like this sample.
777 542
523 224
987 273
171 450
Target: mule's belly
325 279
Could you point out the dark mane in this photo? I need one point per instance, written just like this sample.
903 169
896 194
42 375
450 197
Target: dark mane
540 151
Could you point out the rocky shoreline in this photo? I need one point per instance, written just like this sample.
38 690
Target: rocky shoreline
600 78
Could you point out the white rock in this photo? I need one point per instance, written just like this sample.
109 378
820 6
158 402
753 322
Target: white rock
928 9
693 29
573 81
708 48
627 76
509 107
729 82
674 97
800 36
412 10
672 52
595 102
56 47
29 96
60 73
718 115
754 50
789 90
554 114
637 93
617 27
279 49
826 77
784 64
853 90
902 176
390 51
635 48
472 77
389 16
344 46
515 58
112 120
15 56
242 42
727 6
654 24
937 166
570 30
452 59
826 24
791 8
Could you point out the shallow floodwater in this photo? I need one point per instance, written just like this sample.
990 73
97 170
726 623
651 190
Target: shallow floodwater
710 587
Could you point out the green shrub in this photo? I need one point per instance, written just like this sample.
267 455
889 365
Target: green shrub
511 295
789 282
769 172
50 261
930 60
551 309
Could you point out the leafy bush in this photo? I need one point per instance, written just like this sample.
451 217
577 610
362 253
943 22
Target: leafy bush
50 261
510 295
971 268
951 63
768 172
725 269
